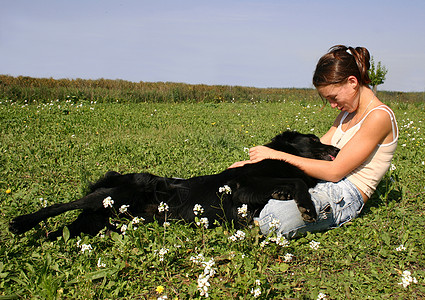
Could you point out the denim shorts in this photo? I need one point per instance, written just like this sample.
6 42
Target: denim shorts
336 203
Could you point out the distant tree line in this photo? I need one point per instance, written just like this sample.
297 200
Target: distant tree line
29 89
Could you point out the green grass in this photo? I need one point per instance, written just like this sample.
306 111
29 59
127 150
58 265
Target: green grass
52 150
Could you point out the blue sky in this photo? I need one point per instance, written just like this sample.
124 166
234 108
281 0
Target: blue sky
233 42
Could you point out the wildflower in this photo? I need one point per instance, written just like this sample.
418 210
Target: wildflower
163 297
123 208
204 222
243 211
136 220
163 207
43 202
159 289
407 279
197 259
166 224
197 209
203 278
203 284
256 292
400 248
257 282
393 167
86 247
274 224
288 257
100 264
208 270
264 243
239 235
321 296
314 245
161 253
123 228
225 189
280 240
8 191
108 202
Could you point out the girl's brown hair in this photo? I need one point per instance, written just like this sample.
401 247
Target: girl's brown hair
341 62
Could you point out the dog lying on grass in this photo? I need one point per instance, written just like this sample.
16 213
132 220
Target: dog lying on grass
221 195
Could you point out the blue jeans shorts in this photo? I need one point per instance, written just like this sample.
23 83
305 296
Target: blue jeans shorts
336 203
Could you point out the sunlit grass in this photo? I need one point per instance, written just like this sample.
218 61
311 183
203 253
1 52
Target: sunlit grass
50 151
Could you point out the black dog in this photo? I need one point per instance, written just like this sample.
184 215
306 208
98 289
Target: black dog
252 184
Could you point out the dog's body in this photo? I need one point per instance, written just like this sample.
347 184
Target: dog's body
251 184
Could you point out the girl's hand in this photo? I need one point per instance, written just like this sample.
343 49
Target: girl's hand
240 164
259 153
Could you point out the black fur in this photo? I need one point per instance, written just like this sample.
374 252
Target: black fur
252 184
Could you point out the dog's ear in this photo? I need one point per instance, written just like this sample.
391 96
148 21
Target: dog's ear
282 142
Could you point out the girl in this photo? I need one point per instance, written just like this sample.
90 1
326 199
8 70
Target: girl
365 131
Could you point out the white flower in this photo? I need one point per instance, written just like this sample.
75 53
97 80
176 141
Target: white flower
257 282
197 259
163 207
43 202
123 208
239 235
400 248
136 220
393 167
100 264
123 228
86 247
264 243
161 253
197 209
280 240
203 278
203 284
288 257
407 279
225 189
108 202
243 211
256 292
204 222
274 224
166 224
321 296
314 245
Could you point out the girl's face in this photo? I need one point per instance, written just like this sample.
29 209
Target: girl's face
343 96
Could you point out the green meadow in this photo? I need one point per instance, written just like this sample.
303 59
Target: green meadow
51 149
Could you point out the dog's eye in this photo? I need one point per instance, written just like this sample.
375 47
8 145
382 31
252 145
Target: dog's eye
314 138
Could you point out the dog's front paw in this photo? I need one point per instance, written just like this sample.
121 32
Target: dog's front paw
308 214
21 224
282 194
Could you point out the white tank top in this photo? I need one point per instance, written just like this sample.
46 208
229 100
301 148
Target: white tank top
368 175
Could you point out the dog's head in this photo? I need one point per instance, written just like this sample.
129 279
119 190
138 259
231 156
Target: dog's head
305 145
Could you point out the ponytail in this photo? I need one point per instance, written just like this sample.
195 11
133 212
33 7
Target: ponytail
341 62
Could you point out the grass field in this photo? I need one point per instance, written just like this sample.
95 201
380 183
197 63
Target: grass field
51 150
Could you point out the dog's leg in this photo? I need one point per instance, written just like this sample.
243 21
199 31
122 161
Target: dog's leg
24 223
258 191
87 222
